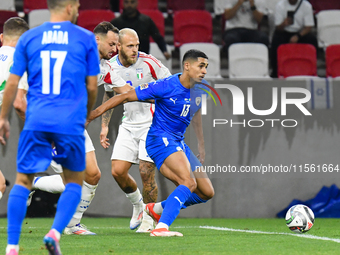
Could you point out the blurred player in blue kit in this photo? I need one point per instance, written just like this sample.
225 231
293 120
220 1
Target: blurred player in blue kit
62 63
174 110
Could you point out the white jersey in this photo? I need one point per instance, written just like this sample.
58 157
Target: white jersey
302 18
108 77
244 17
146 69
6 62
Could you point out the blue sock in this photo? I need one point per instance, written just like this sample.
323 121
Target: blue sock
192 200
174 203
16 211
67 205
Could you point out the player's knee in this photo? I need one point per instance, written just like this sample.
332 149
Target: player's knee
92 177
117 172
191 184
209 194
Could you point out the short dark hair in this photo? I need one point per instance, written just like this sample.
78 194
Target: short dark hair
104 27
193 54
53 4
15 27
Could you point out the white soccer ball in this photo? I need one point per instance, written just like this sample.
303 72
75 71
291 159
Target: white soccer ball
300 218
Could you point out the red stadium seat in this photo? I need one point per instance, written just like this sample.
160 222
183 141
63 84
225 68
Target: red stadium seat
89 19
142 5
94 5
333 60
30 5
192 26
325 5
158 18
176 5
296 59
5 15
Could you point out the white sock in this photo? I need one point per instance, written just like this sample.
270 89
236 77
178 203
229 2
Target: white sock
135 197
0 195
162 225
12 246
158 208
87 194
52 184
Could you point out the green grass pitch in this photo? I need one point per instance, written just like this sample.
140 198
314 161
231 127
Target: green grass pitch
236 236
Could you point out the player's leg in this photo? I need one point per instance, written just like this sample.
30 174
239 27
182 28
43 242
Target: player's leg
2 184
176 168
16 210
150 193
150 189
71 155
125 153
92 177
30 145
120 172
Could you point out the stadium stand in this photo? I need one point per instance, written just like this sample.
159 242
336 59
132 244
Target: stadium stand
212 51
142 5
333 61
158 18
328 27
192 26
89 19
296 59
176 5
5 15
7 5
38 17
324 5
248 60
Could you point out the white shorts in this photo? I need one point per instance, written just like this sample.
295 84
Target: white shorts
130 145
88 147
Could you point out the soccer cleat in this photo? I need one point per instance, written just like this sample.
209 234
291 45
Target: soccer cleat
145 227
12 252
149 210
52 243
137 216
164 232
79 229
29 199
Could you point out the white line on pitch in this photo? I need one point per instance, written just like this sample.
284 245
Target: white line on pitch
273 233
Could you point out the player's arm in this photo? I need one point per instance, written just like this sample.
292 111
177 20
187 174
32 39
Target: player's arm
129 96
20 103
106 117
92 89
8 98
197 124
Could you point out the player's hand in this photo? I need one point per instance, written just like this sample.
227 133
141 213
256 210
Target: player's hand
4 131
104 141
167 55
294 39
201 155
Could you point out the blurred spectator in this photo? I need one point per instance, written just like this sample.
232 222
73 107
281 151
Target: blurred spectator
242 20
294 21
142 24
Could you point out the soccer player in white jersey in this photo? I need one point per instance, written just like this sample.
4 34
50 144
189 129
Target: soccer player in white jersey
13 29
107 38
135 68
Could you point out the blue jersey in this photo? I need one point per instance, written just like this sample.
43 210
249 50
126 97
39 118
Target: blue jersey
58 57
174 105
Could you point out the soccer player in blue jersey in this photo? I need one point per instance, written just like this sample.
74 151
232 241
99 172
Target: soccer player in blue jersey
62 63
174 109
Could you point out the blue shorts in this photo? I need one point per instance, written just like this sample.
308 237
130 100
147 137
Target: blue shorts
160 147
34 151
